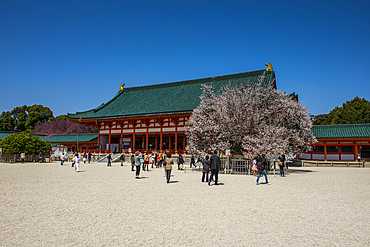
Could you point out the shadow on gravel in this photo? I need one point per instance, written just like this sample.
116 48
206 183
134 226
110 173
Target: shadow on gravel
217 184
298 171
173 182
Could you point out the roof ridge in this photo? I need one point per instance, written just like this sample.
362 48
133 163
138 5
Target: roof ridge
341 125
196 80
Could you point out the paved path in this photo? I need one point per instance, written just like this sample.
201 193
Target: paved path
51 205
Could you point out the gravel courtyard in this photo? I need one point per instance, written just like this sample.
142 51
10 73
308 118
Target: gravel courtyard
52 205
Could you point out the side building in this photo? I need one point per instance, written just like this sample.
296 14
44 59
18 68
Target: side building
345 142
154 117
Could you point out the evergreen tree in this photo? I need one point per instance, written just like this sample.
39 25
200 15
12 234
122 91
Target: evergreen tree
17 143
354 111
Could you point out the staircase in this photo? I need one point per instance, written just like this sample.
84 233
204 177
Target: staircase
115 158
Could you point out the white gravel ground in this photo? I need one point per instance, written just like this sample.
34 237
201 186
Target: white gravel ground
52 205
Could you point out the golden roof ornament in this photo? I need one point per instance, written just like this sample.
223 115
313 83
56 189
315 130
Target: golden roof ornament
121 86
269 67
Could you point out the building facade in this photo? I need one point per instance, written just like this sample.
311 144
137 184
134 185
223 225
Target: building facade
343 142
153 117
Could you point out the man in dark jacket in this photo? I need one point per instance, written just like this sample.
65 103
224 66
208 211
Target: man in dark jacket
261 166
215 167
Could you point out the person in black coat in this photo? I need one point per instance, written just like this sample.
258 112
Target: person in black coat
215 167
261 166
206 168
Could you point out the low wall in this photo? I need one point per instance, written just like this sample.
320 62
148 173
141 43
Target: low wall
320 163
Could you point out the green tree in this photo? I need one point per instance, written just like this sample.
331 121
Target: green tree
38 114
23 118
20 116
7 122
355 111
17 143
61 117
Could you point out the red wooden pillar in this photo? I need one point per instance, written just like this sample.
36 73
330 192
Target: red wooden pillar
147 140
161 140
109 139
325 152
176 138
356 151
156 142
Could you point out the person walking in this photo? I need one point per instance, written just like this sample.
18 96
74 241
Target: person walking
109 158
281 164
76 161
169 163
132 162
89 157
137 163
261 166
192 161
206 168
215 167
73 159
23 157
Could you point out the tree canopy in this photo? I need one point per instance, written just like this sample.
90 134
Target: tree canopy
26 142
354 111
23 118
253 118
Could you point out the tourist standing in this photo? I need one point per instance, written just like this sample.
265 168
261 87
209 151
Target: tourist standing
281 164
89 157
180 163
109 158
206 168
132 162
155 159
137 163
215 167
61 159
261 166
122 158
254 166
76 161
146 162
23 157
168 167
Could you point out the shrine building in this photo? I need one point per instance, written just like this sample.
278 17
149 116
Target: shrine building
153 117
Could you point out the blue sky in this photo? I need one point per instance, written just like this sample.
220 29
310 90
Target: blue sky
73 55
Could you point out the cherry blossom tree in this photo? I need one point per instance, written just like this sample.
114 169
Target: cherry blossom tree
62 127
253 118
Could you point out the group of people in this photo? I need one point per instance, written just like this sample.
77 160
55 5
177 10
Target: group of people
211 164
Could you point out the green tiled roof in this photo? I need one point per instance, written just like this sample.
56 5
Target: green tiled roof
84 137
341 131
4 134
167 98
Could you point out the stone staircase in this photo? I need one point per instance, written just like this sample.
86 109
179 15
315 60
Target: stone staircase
115 158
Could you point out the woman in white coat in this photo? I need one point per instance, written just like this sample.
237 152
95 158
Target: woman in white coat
76 160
